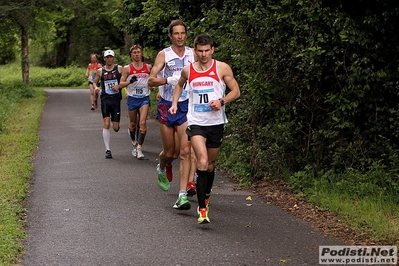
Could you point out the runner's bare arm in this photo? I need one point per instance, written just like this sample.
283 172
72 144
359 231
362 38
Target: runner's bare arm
159 63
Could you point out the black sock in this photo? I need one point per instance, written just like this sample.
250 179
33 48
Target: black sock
132 134
201 186
141 137
210 176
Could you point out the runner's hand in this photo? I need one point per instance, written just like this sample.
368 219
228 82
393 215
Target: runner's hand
133 79
172 110
172 80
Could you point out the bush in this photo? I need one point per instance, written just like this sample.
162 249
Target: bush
376 182
10 95
71 76
319 89
8 44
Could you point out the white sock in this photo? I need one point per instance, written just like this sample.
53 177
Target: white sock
107 138
182 192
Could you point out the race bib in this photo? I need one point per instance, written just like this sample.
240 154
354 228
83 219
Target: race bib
183 94
201 99
138 92
92 77
108 86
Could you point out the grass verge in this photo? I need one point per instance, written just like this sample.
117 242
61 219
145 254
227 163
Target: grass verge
376 216
68 77
18 142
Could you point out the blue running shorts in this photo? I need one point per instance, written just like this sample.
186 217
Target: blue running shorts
136 103
165 118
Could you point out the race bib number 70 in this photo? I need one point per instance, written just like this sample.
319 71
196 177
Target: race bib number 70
201 99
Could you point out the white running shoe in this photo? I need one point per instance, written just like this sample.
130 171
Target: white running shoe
140 154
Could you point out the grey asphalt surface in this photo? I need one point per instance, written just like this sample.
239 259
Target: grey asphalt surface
86 210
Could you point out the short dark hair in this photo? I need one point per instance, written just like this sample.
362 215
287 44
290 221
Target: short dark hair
176 22
203 39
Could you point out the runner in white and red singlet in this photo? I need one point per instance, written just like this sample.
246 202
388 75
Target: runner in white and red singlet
207 80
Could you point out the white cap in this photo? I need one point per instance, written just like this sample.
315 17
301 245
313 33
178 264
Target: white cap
109 52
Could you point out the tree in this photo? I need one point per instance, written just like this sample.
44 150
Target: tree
8 42
79 30
20 13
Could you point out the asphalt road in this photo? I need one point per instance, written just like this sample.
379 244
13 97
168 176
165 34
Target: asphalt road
86 210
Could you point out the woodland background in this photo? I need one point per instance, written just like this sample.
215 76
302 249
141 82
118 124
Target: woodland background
319 79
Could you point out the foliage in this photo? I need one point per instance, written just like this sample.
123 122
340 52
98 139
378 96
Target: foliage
377 182
62 32
72 76
19 14
16 148
8 39
318 80
10 95
18 141
368 201
146 22
8 43
71 43
318 87
60 77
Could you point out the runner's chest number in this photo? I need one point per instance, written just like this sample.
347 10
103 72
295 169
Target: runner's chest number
203 96
109 84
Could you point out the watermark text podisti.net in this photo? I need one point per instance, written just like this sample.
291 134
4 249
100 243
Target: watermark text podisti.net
386 255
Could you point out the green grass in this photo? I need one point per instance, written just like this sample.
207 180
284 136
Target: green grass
18 143
375 215
45 77
365 200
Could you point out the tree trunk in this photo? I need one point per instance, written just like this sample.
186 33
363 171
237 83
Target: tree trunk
25 51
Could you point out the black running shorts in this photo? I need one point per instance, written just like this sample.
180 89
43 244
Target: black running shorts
111 107
212 134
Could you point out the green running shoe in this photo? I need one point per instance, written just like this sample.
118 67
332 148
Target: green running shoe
182 203
163 182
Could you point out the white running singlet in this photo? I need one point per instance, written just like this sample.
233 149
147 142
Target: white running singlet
173 67
205 86
140 88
